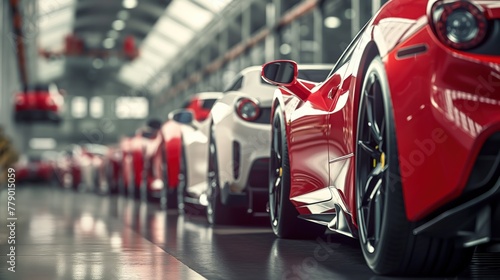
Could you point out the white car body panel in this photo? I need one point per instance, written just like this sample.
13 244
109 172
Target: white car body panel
254 138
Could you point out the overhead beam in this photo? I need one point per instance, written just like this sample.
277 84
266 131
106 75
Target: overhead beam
143 7
295 13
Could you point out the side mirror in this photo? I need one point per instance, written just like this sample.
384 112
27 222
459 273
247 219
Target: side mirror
280 72
284 73
182 116
154 124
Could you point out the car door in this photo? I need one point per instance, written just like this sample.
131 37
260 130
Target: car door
341 130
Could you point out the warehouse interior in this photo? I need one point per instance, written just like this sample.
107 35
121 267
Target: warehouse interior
118 65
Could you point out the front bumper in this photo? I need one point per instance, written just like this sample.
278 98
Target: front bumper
37 115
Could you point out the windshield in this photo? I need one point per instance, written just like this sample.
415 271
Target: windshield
317 75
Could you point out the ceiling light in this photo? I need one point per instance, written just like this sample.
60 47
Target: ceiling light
113 34
108 43
98 63
129 4
349 14
285 49
123 15
332 22
118 24
42 143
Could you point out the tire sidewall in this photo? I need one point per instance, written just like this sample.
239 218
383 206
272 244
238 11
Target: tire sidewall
392 223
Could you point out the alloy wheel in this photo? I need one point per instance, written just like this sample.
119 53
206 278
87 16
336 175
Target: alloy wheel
371 163
276 170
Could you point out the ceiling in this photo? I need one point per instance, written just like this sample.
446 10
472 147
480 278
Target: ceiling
161 29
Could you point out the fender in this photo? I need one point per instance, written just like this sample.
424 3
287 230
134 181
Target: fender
172 136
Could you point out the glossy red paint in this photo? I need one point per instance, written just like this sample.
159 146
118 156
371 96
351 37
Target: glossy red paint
42 103
110 168
440 132
35 170
446 103
137 147
35 101
200 111
171 132
126 163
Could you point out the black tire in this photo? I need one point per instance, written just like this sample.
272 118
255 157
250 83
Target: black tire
143 186
217 213
132 189
97 183
283 215
168 198
182 206
385 234
121 183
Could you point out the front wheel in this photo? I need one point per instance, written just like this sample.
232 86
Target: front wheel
284 217
385 234
182 205
217 213
168 198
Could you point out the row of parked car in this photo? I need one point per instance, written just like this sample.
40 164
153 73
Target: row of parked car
397 145
213 153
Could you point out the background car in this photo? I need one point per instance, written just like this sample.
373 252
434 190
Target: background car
163 154
33 168
134 156
68 169
385 150
91 160
126 179
39 103
109 172
239 139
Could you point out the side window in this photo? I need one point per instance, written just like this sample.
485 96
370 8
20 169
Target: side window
235 85
208 103
346 56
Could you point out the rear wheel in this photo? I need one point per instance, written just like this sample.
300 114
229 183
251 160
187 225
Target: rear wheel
385 234
282 212
182 206
168 198
145 176
217 213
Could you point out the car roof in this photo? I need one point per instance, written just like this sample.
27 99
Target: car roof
208 95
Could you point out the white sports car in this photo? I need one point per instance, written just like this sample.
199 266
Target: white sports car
239 136
194 153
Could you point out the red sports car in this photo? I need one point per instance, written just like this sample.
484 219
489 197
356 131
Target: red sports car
134 151
33 169
400 145
125 171
67 169
39 103
163 154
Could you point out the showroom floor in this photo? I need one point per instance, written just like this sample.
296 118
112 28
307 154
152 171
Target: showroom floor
67 235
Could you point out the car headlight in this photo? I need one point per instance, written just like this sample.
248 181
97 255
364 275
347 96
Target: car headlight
459 24
247 109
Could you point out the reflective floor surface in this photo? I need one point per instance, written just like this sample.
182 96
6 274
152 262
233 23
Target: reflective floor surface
67 235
